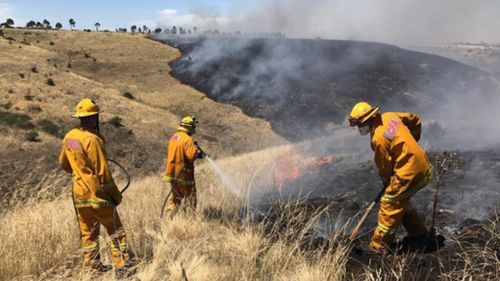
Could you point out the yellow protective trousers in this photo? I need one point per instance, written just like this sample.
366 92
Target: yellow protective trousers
395 208
180 193
90 219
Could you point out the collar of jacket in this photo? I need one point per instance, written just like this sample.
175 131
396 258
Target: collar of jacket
92 131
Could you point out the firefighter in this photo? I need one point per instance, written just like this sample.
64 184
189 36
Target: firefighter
403 167
95 194
181 154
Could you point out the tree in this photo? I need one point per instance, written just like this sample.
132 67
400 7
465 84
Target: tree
195 29
8 23
46 24
58 26
72 23
97 25
174 30
31 24
39 25
133 28
158 30
145 28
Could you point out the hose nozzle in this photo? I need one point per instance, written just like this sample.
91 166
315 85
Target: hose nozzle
200 154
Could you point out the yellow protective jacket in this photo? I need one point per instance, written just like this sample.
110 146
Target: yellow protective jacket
403 165
84 156
180 160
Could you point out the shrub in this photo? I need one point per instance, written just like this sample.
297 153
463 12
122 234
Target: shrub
34 69
7 106
87 55
50 128
116 121
128 95
16 120
50 82
28 97
52 43
35 109
32 136
21 75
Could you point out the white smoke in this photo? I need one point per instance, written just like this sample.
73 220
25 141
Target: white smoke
402 22
200 19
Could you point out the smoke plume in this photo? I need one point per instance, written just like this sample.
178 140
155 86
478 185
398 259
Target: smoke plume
399 22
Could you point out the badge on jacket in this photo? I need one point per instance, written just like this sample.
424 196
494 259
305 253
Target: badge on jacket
392 129
73 144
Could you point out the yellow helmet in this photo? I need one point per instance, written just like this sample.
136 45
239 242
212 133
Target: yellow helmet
85 108
188 122
361 112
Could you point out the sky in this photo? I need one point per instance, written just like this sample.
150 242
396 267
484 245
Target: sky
402 22
112 14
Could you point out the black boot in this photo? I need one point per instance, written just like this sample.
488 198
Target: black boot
128 270
427 243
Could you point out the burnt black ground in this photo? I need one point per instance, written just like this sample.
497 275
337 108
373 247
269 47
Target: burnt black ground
303 87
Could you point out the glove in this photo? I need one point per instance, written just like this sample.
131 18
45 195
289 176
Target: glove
113 194
116 199
200 154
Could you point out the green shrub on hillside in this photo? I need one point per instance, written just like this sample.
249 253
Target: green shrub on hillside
16 120
7 105
116 121
51 82
50 128
32 136
128 95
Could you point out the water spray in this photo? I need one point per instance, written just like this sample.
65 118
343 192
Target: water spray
226 180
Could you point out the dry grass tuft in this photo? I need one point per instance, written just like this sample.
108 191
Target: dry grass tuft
40 240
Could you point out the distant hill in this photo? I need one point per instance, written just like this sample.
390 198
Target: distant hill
44 74
484 56
305 87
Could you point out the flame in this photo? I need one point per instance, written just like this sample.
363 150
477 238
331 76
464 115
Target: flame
287 168
291 166
323 161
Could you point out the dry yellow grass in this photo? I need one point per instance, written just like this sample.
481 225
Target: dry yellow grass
39 241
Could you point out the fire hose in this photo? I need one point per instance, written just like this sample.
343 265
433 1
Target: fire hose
115 205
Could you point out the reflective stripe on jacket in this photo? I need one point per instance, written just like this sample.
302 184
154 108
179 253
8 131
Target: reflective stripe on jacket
180 159
83 154
402 163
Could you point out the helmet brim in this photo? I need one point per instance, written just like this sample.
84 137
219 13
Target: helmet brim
85 114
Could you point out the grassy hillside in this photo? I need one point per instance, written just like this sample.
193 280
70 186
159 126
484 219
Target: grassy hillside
45 73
